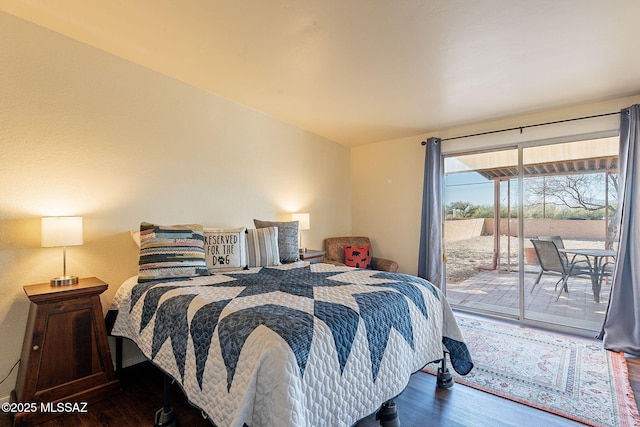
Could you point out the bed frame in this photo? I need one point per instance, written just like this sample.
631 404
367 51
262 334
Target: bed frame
387 414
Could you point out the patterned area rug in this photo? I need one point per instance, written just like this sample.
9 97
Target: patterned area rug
571 377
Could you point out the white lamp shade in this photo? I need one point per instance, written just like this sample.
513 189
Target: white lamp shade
304 222
61 231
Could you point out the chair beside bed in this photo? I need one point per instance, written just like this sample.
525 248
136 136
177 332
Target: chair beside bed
335 252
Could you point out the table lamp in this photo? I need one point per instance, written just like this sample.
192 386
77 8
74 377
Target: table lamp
304 223
62 231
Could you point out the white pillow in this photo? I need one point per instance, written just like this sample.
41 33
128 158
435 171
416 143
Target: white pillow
225 249
135 235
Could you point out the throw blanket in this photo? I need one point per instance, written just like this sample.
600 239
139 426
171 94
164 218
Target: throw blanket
292 345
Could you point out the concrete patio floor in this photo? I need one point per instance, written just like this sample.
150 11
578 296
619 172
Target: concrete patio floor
497 292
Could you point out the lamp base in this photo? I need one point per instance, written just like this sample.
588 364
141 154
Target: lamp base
64 280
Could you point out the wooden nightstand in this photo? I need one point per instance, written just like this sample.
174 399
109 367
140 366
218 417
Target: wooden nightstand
312 256
65 353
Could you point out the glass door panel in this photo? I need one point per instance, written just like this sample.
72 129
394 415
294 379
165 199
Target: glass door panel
569 196
563 197
481 232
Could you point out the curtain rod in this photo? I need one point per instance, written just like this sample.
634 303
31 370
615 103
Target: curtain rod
525 126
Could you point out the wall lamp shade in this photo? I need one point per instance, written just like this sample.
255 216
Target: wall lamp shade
304 221
62 231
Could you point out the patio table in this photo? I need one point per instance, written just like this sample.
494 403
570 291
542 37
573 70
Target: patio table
597 267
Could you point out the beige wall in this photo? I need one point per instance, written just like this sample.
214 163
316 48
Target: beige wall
565 228
387 176
464 229
85 133
387 193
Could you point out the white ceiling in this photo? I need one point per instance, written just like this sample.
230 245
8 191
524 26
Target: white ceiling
362 71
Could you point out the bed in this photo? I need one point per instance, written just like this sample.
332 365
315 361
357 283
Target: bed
296 344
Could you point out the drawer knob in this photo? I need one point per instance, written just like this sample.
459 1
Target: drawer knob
36 348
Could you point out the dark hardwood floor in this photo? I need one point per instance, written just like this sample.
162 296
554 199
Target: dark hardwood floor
421 405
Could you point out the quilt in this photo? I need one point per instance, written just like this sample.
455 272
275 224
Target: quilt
292 345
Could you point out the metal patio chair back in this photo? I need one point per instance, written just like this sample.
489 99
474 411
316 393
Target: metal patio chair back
583 260
552 261
555 239
559 244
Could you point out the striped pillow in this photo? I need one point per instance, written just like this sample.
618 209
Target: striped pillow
174 251
287 238
262 247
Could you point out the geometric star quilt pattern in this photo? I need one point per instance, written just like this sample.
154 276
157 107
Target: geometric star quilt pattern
295 344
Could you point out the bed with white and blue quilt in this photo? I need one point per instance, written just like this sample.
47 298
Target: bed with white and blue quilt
290 345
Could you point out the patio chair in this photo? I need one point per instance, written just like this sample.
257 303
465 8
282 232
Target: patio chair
560 245
552 261
555 239
606 271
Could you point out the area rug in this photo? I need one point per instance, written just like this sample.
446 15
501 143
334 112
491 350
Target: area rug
571 377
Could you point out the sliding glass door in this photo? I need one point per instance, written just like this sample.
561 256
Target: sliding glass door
526 227
481 231
569 197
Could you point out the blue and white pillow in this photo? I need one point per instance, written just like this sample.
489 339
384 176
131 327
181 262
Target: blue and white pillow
262 247
287 238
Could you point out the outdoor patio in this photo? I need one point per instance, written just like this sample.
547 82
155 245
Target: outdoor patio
498 292
471 286
498 201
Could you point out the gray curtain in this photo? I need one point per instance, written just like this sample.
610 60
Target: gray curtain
621 328
430 254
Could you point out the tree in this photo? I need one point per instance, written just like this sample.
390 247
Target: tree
579 191
585 192
460 209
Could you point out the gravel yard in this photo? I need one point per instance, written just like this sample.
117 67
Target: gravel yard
466 257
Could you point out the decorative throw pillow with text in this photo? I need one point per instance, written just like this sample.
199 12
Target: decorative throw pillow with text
225 249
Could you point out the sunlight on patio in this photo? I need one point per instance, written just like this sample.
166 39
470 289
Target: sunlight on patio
561 194
471 287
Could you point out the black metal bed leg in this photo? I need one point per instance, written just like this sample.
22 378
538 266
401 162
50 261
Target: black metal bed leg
165 416
388 414
444 379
